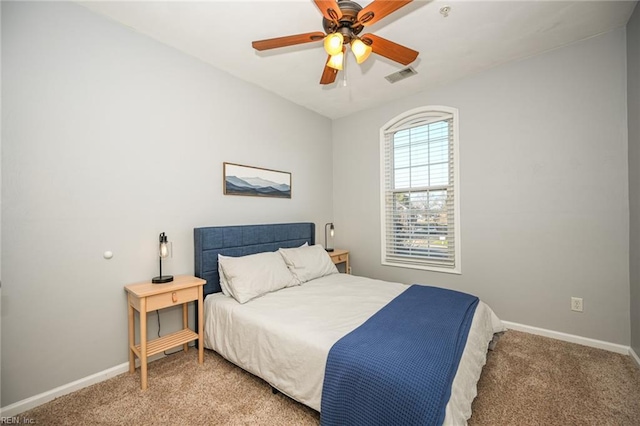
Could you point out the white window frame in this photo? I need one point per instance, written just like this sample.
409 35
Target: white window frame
397 123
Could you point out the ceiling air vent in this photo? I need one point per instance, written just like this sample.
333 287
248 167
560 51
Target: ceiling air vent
401 75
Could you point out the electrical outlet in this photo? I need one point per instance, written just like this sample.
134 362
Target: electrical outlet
576 304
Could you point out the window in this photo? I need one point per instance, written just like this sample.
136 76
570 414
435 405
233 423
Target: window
420 195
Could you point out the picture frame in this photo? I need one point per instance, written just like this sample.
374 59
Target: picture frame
238 179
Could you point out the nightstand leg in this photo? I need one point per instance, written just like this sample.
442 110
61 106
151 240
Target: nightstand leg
143 344
132 356
185 322
200 326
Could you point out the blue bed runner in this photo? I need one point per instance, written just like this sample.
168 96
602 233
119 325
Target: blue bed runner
397 368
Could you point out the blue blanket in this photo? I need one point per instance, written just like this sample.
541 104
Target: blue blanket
397 368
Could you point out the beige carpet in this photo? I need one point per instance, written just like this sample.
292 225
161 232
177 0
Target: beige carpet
528 380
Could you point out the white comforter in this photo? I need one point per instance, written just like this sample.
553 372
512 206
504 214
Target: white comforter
284 337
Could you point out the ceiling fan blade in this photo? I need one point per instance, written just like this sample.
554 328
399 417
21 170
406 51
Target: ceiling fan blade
291 40
388 49
329 9
378 9
328 74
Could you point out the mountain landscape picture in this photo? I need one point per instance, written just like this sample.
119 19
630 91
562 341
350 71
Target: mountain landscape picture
254 181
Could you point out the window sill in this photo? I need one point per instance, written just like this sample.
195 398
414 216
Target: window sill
455 271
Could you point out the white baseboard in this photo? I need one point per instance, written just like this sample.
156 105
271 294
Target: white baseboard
34 401
634 356
572 338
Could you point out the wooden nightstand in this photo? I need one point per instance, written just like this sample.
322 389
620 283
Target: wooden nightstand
341 256
146 297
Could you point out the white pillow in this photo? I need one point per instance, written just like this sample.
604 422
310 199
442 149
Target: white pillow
223 279
248 277
308 262
224 286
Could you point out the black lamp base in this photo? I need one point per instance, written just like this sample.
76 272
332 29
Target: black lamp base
329 249
162 279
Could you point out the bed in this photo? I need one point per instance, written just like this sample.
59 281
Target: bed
285 336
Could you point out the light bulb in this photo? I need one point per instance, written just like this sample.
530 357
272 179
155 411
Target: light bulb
335 61
333 43
164 250
360 50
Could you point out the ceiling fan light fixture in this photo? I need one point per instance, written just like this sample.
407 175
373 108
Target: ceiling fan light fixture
343 21
336 61
360 50
333 43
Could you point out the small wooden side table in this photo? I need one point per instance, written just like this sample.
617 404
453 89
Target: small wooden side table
341 256
145 297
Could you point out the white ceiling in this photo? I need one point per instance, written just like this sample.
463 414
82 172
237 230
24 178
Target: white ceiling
475 36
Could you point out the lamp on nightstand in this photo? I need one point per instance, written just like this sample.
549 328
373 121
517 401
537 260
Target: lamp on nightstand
164 250
331 229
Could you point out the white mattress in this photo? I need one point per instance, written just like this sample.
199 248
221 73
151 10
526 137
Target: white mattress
284 337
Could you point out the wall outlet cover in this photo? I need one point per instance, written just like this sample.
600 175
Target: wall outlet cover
576 304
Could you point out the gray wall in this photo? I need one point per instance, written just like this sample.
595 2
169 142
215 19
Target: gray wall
110 138
633 105
544 188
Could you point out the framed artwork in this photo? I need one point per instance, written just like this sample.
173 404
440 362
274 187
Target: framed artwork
255 181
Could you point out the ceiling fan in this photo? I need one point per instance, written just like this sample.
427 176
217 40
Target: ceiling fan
342 21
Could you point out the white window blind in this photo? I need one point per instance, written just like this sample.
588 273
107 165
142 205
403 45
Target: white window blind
419 196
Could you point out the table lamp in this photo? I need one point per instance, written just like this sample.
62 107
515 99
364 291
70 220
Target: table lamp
164 250
331 231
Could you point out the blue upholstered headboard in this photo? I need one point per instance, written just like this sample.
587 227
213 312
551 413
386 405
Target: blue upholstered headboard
241 241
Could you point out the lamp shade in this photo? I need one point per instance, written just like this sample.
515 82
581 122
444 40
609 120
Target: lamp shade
335 61
164 250
333 43
360 50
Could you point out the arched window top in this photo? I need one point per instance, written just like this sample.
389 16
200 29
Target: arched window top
419 116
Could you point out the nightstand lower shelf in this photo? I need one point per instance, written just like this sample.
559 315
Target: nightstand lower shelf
167 342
